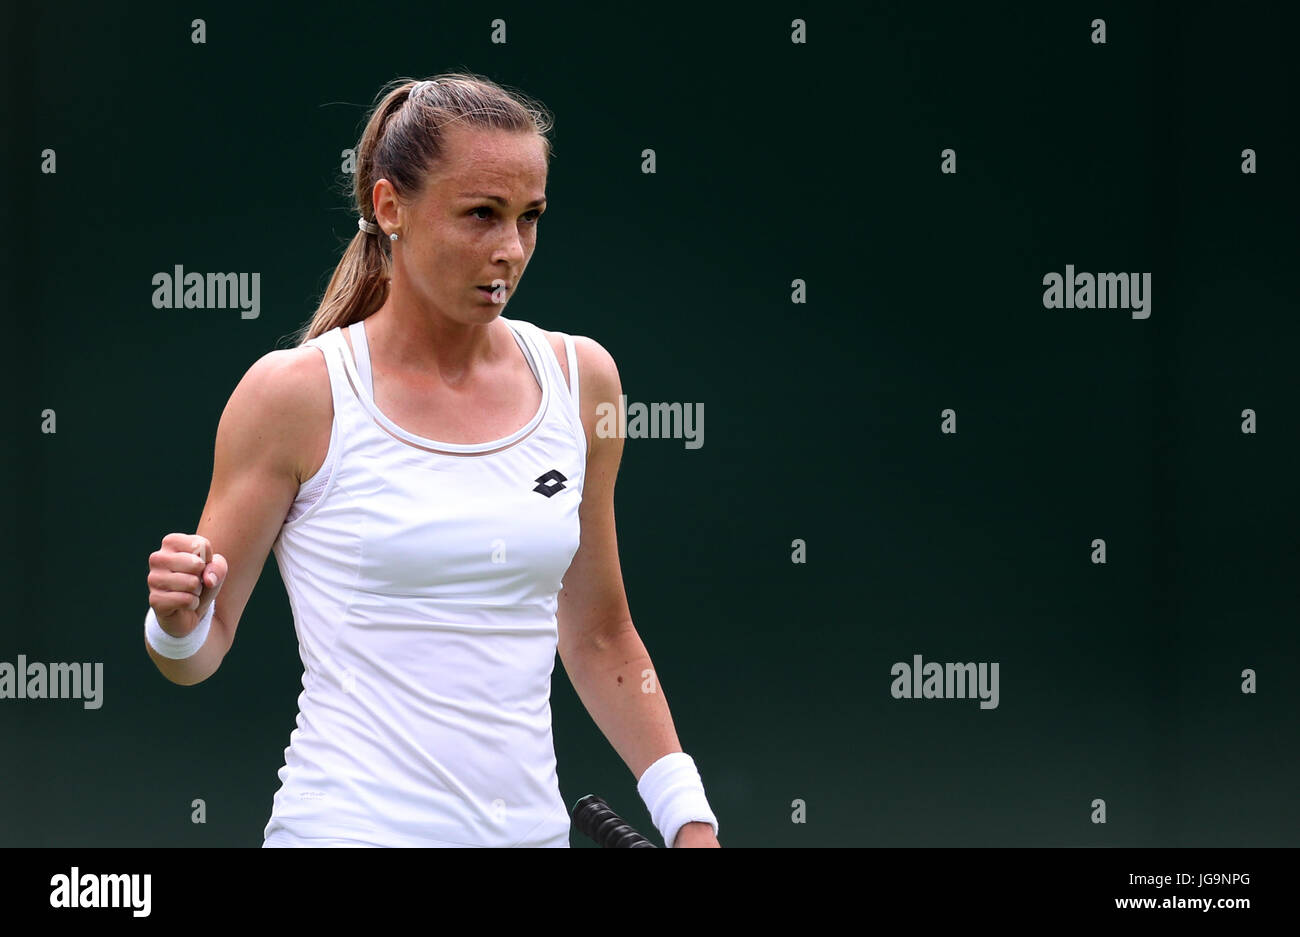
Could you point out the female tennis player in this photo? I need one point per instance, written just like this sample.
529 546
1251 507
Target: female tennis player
441 510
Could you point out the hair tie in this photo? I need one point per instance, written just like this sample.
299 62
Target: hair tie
368 227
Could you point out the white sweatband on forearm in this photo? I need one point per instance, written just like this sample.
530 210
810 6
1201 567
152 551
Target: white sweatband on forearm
177 648
674 795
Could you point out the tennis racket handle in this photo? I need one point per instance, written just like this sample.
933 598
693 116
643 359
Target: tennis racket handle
595 820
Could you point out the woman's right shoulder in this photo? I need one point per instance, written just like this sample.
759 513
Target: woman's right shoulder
291 379
287 393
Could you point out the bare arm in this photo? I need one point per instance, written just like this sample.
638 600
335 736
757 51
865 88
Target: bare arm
265 437
600 648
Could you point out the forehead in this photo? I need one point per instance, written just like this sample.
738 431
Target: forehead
498 159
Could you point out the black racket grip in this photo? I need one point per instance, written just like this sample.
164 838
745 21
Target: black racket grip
595 820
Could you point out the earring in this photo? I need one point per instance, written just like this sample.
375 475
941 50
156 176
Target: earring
392 237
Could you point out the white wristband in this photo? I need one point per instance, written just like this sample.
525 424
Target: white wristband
173 647
674 795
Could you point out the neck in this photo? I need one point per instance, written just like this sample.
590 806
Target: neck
408 338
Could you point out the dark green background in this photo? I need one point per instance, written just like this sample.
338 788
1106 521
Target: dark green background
775 161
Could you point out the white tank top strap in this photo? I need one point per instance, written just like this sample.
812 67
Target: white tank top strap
335 348
332 345
572 354
545 353
544 349
357 332
529 343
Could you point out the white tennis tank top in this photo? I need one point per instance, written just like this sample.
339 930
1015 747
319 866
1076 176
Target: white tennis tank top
423 580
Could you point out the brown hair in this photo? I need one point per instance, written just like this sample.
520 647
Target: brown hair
402 142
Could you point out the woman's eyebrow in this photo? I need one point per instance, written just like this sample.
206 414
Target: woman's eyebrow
499 200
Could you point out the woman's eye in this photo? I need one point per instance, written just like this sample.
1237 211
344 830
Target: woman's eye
531 217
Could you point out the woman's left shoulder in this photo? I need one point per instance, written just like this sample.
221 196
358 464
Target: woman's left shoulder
595 363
